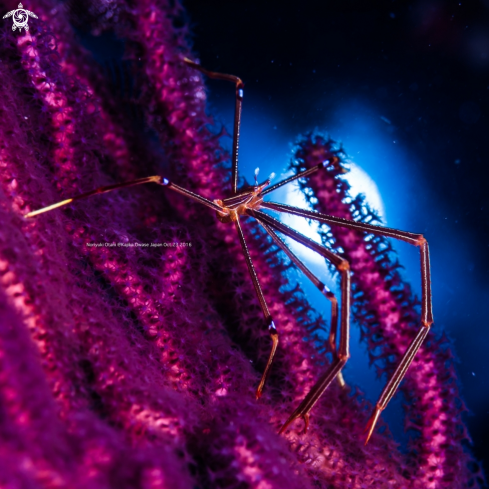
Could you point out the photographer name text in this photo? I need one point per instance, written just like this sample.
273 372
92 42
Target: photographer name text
139 245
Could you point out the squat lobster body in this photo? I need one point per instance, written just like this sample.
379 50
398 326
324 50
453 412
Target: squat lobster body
249 202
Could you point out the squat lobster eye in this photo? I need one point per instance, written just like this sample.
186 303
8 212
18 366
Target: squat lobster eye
249 202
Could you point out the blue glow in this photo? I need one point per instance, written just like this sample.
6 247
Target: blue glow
369 139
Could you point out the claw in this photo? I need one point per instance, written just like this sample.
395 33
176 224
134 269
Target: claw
372 422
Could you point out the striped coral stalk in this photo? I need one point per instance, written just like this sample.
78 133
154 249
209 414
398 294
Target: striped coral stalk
388 314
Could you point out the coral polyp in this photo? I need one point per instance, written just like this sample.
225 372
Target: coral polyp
124 365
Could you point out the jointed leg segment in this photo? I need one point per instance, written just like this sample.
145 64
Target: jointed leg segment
426 307
302 174
108 188
322 288
340 359
264 307
237 112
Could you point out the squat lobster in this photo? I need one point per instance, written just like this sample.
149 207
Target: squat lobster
249 201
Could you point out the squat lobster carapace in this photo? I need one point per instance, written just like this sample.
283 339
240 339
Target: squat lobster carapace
249 202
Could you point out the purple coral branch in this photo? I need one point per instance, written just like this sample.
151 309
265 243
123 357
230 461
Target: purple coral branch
386 310
89 376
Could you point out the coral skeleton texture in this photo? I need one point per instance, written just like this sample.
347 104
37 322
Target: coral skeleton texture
135 367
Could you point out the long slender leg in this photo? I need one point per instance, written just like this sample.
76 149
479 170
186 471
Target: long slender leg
237 112
406 360
322 288
343 354
263 304
426 302
338 363
108 188
302 174
411 238
336 260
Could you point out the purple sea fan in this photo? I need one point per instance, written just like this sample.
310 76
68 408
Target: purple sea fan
130 366
387 311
